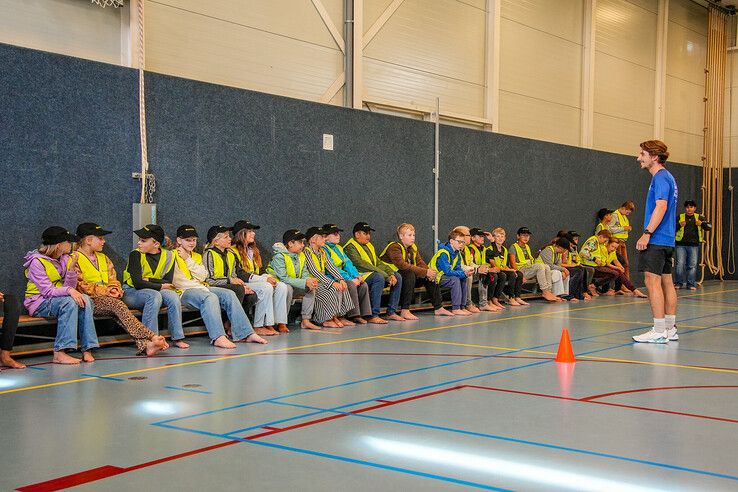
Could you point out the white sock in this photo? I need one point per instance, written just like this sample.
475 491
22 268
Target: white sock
670 320
659 325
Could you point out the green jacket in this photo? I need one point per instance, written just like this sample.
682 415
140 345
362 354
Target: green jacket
365 266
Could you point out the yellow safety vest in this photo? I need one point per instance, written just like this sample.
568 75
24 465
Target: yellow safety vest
611 257
318 259
475 254
165 265
623 222
246 263
600 252
680 232
51 272
500 262
290 266
520 259
219 268
553 257
335 257
600 227
182 265
404 254
434 262
362 252
90 273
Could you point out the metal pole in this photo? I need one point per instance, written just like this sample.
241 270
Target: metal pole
437 172
348 61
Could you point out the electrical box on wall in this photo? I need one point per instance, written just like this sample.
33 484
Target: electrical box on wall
143 214
327 141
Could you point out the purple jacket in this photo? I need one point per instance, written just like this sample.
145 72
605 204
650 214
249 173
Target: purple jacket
37 275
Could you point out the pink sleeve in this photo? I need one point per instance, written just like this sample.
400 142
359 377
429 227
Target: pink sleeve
37 275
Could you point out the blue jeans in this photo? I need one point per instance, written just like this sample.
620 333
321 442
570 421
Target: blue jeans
70 318
686 256
149 301
375 283
209 303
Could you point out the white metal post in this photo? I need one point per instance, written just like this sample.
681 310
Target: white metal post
437 172
358 56
588 65
492 65
662 26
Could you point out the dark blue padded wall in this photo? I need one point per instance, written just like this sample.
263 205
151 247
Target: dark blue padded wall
68 144
490 180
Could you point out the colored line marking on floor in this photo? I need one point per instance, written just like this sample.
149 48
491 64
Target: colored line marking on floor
616 321
189 389
106 378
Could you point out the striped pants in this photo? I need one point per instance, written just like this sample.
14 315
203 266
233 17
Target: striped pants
329 303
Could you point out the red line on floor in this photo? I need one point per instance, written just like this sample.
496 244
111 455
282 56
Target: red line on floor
641 390
271 428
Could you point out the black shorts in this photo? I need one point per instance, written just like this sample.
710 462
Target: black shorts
656 259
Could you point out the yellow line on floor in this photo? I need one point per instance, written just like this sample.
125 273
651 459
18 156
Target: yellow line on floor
335 342
726 329
589 357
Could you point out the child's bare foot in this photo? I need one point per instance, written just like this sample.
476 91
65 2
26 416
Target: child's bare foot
282 328
640 294
498 304
443 312
592 290
359 320
609 293
549 296
87 356
490 307
587 297
573 299
254 338
461 312
522 302
395 317
223 342
64 358
472 309
306 324
331 324
264 331
406 314
155 345
346 322
513 302
376 320
181 344
7 361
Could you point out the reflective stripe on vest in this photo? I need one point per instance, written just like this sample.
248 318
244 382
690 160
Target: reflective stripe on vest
404 254
91 273
475 254
335 257
219 266
246 263
500 262
594 253
519 254
51 272
680 231
289 266
182 264
434 262
318 260
165 265
622 222
362 252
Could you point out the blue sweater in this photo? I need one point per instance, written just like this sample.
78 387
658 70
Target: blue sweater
348 270
444 265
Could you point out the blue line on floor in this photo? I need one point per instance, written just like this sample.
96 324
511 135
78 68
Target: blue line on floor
106 378
345 459
189 389
34 368
519 441
401 373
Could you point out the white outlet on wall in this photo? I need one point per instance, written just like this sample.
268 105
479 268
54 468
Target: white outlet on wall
327 141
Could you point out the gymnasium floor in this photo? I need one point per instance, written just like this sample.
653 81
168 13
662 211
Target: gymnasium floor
435 404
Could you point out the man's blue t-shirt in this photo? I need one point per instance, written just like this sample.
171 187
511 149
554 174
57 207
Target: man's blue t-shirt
663 187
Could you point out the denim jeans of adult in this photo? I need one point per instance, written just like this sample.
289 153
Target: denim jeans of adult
70 319
686 265
149 301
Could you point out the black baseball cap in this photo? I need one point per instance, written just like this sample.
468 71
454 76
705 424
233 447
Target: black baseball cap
151 231
362 226
524 230
292 235
476 231
574 234
185 231
91 229
313 231
55 235
244 224
602 212
563 242
331 228
215 230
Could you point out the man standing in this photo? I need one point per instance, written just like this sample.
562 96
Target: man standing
656 245
688 240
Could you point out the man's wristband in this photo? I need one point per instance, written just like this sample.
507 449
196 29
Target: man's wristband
647 232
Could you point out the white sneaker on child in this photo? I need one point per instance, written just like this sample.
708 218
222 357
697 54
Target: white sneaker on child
672 335
652 336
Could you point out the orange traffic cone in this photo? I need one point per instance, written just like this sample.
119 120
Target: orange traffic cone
565 353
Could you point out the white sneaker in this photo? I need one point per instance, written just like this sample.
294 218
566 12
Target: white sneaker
652 336
672 334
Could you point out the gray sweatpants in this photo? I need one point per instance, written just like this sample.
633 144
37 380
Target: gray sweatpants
308 301
541 272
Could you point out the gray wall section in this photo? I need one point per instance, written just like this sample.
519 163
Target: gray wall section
69 143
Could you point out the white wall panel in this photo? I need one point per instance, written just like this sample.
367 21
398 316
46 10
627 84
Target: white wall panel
626 31
688 14
427 48
542 120
386 82
685 108
684 147
70 27
562 18
619 135
623 89
190 45
686 53
537 64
